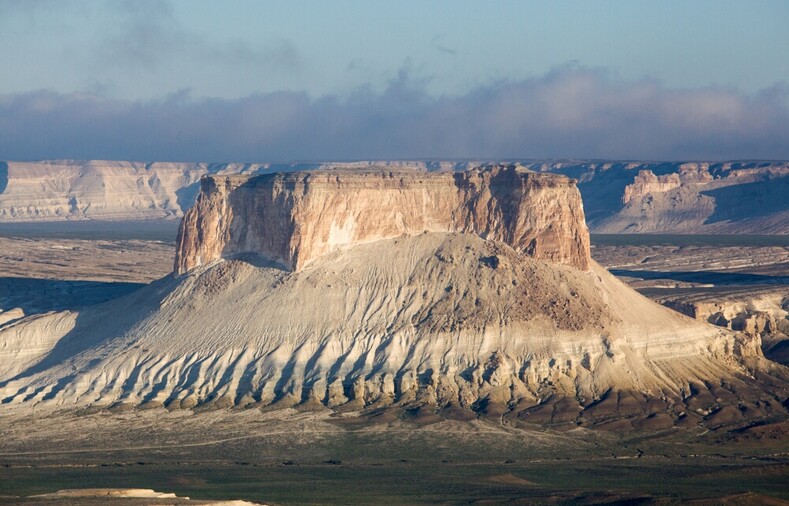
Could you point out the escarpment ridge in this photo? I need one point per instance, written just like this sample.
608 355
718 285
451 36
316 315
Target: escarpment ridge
619 196
292 219
364 289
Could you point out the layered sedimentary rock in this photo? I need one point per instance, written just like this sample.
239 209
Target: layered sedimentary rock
95 189
470 291
295 218
674 197
103 190
440 319
690 197
127 190
760 312
646 182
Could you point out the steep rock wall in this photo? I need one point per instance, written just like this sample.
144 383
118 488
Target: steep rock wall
96 189
646 182
103 190
295 218
619 197
747 197
54 190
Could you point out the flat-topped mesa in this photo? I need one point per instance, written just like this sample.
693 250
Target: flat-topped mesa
294 218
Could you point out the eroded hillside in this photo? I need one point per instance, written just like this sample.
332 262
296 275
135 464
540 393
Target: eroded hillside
487 303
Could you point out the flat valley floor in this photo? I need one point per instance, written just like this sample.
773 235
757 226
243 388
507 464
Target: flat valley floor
303 456
310 455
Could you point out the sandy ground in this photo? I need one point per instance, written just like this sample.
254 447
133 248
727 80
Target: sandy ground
142 261
725 285
314 456
667 266
134 261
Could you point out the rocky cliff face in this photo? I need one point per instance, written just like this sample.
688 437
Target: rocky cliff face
436 319
757 312
619 197
103 190
124 190
673 197
646 182
292 219
471 290
96 189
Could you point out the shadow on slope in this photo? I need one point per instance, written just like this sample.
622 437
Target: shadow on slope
186 196
713 278
95 325
748 201
34 295
3 176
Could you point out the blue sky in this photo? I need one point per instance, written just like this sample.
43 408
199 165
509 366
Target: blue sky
711 75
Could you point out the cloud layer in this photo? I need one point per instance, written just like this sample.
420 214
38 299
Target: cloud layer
570 112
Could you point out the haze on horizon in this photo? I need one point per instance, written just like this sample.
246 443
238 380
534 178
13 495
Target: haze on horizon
308 80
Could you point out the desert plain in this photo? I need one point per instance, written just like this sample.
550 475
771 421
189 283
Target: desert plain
309 454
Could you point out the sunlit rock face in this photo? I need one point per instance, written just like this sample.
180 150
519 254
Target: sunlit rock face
743 197
103 189
295 218
385 287
58 190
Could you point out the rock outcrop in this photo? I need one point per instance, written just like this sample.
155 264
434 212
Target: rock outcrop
676 197
646 182
96 189
758 312
630 197
470 291
292 219
443 319
125 190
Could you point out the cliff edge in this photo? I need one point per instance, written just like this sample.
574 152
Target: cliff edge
292 219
